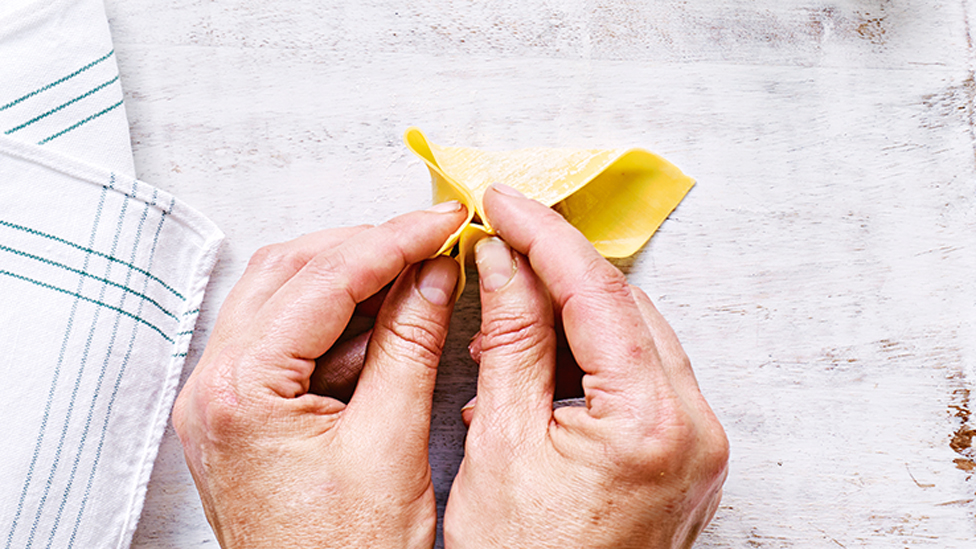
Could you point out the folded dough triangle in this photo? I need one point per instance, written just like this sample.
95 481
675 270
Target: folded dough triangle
616 197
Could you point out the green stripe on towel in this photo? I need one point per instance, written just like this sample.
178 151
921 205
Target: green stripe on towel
58 81
90 300
91 251
79 123
88 275
63 105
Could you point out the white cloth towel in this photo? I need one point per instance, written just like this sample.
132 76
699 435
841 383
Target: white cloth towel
101 279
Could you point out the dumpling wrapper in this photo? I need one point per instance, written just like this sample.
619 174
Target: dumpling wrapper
616 197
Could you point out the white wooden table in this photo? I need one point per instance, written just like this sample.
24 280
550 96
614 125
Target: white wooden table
820 274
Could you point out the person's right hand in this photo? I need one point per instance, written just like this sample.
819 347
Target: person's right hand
641 465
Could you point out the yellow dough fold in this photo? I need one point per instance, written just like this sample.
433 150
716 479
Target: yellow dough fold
616 197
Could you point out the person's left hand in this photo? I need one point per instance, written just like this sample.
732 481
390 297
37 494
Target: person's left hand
277 465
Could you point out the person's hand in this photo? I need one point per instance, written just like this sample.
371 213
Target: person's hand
278 465
641 465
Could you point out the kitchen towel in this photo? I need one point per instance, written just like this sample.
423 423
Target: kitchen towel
101 280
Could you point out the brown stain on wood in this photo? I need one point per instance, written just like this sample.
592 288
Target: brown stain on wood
964 464
961 440
872 29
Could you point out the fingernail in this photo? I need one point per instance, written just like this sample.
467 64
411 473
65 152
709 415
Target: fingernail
446 207
437 280
474 347
506 190
496 266
469 405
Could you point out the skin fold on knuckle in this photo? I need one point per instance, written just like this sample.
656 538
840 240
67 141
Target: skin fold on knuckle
600 289
513 334
267 348
346 272
515 321
600 275
415 339
330 269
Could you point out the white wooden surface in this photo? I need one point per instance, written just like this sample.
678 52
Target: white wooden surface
820 275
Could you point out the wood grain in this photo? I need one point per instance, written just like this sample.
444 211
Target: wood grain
820 274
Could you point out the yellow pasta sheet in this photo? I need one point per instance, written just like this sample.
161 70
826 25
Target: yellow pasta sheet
616 197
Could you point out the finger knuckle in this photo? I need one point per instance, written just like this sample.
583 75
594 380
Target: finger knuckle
599 284
342 272
222 414
331 263
217 406
332 270
275 257
676 441
602 276
663 444
511 331
419 339
717 449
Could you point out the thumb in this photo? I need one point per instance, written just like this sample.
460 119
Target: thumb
517 343
396 386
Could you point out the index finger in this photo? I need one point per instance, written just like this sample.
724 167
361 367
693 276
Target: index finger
305 317
266 271
604 327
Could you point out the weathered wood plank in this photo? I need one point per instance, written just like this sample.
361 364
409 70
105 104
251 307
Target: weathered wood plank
819 275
